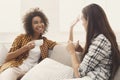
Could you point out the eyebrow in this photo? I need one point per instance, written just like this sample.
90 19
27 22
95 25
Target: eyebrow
37 21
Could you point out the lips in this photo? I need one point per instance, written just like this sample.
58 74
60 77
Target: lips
39 30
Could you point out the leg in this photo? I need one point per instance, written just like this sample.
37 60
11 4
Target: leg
11 74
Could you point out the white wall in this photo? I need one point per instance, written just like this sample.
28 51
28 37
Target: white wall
10 15
60 14
70 9
10 23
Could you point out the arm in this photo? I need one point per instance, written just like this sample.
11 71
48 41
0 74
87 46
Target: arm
78 47
17 50
75 61
71 48
71 29
71 34
75 65
16 53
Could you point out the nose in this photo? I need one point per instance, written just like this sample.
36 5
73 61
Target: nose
41 25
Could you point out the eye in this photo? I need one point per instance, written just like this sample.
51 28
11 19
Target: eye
42 24
35 22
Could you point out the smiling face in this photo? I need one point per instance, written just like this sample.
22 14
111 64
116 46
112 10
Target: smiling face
38 25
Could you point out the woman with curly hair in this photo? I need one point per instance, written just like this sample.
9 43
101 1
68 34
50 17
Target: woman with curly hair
27 49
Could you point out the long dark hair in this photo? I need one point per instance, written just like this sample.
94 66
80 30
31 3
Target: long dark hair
98 24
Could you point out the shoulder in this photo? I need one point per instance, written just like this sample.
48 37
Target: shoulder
22 37
101 39
100 44
49 42
46 39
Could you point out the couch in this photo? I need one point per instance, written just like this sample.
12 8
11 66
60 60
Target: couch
60 54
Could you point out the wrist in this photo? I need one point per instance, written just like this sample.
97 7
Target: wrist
73 53
25 48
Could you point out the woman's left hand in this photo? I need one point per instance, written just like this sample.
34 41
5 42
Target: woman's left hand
75 21
71 47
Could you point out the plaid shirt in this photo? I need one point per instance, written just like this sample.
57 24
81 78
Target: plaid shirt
97 62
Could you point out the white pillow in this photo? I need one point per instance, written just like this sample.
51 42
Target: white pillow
49 69
3 54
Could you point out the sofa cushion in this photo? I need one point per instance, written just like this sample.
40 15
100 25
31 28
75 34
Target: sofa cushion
61 54
49 69
3 53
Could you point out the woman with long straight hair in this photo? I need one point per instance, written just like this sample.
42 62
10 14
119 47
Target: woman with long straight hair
101 55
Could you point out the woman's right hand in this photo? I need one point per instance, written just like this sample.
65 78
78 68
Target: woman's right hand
71 28
30 45
75 22
15 54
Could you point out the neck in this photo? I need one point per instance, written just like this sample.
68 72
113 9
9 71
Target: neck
36 36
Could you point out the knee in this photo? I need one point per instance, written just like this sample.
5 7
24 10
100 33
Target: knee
8 74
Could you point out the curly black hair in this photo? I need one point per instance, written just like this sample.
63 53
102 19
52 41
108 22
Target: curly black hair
27 20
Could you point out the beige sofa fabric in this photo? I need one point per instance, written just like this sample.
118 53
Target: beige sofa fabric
61 54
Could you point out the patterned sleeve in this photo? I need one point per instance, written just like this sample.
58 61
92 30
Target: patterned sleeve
51 44
96 52
16 43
